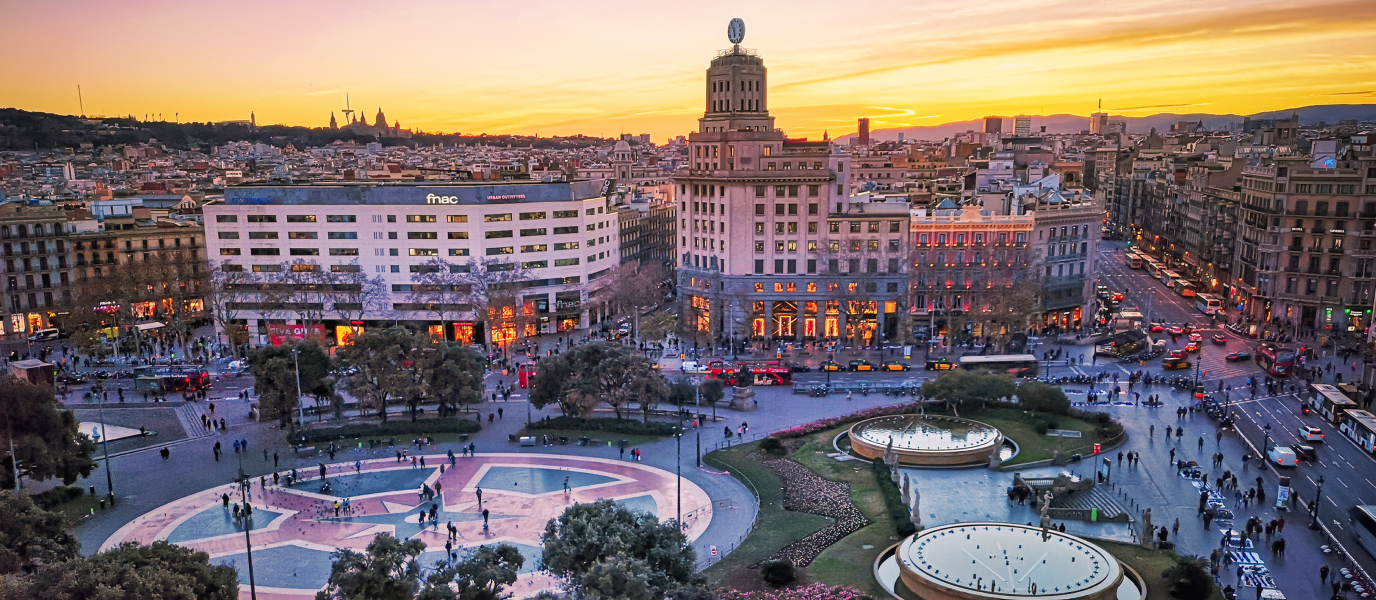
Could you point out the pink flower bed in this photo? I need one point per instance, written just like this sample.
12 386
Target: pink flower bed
828 423
816 591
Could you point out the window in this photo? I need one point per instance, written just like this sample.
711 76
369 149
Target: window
565 230
264 251
500 251
496 218
300 218
565 214
458 235
267 268
493 235
458 251
423 252
893 265
341 218
759 245
759 270
305 252
759 210
591 211
226 218
779 227
535 248
262 235
811 268
566 246
759 228
302 235
855 227
262 218
342 235
230 252
895 225
759 193
535 264
424 269
778 246
420 218
229 235
343 251
855 245
457 218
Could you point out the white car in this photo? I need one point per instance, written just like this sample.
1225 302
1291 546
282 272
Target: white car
1281 456
692 366
1310 433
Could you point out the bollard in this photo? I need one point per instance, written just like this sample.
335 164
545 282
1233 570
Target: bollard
102 504
92 490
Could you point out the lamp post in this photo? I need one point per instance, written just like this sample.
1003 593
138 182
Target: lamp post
104 442
300 411
1266 441
1318 491
697 416
678 469
248 540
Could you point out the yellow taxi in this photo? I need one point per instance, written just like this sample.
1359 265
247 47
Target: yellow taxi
831 365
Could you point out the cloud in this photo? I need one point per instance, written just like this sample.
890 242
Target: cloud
1158 106
1361 93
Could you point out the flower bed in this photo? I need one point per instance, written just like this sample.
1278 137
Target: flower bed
828 423
816 591
805 491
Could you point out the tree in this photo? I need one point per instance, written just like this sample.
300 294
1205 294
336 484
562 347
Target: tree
356 295
380 369
443 288
964 388
1037 396
275 369
224 294
493 287
131 572
45 438
635 287
586 375
1189 580
453 374
713 390
601 550
387 570
31 537
481 575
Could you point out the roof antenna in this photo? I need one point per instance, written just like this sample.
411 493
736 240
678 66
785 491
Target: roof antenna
80 102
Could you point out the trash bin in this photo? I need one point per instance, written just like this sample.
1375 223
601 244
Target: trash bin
463 437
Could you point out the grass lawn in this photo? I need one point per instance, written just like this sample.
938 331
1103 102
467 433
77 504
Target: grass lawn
848 562
599 438
77 507
1149 564
774 527
1021 427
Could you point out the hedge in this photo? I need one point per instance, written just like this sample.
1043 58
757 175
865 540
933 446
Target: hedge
375 430
53 497
893 498
624 426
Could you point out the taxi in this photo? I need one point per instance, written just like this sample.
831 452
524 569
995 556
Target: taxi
894 365
940 364
830 365
861 365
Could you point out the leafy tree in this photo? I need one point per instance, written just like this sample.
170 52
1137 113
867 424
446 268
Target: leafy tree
1189 580
45 438
381 364
713 390
681 393
601 550
585 375
387 570
968 388
1034 395
453 374
274 371
480 576
131 572
30 536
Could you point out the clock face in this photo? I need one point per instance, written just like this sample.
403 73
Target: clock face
735 31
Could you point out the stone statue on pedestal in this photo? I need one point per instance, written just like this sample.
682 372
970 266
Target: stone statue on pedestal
907 489
995 457
1147 529
915 510
1046 518
743 398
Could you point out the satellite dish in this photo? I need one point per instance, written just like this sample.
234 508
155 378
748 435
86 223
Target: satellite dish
735 31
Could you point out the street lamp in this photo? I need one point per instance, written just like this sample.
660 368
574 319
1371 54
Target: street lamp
300 411
248 541
1317 492
105 442
697 415
1265 444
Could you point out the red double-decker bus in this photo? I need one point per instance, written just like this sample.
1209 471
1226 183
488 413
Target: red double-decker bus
759 374
1275 359
524 373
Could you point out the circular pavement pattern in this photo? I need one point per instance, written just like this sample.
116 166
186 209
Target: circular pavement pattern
295 529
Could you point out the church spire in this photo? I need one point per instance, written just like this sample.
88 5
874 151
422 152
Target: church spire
333 124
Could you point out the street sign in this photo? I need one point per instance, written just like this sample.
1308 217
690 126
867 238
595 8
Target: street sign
1283 494
1096 448
714 550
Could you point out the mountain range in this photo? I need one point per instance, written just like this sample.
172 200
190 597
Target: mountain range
1161 122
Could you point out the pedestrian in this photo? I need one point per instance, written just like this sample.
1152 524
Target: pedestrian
1151 431
479 492
1172 456
165 453
485 513
1323 574
500 411
225 499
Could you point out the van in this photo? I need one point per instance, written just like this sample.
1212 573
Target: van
50 333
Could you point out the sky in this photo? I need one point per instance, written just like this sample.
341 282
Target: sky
604 67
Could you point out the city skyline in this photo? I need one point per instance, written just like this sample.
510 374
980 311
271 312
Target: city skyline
922 64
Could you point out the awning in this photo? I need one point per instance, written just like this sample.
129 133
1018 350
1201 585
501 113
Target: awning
149 326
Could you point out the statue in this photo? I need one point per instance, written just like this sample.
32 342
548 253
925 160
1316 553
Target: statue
1147 529
907 489
1046 518
915 510
995 457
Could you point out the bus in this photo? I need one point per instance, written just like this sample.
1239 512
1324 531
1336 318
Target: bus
1168 277
1134 260
760 374
1153 268
1184 288
1017 365
1209 304
1330 402
1275 359
1360 427
525 372
167 379
1363 520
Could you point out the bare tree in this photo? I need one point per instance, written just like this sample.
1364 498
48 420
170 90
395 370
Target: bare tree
355 294
443 288
494 295
225 293
635 287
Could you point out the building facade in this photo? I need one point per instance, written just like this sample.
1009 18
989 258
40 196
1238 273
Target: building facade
437 256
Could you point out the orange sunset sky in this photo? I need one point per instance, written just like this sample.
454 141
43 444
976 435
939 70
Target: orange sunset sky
605 67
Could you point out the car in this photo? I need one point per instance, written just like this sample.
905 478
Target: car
830 365
1238 356
1187 328
798 368
1281 456
1310 433
861 365
1155 327
73 379
1175 363
1196 337
940 364
1192 347
1220 339
1117 296
894 365
692 366
1176 330
1180 354
1305 453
